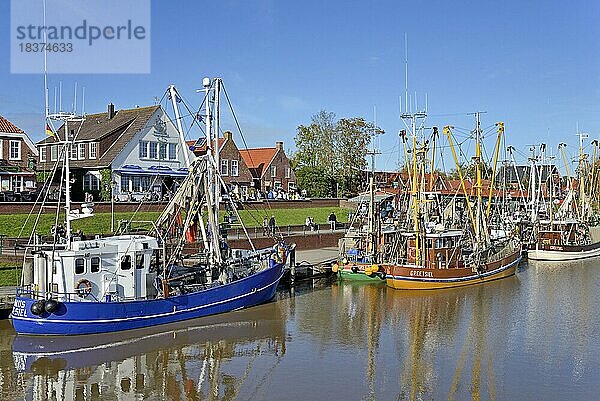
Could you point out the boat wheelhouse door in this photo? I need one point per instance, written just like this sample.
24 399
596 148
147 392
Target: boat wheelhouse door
126 276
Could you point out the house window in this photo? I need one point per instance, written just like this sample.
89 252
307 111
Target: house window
91 182
15 150
145 183
172 151
17 183
137 183
73 148
93 151
273 171
288 172
291 187
235 171
42 153
79 266
143 149
95 264
82 151
124 183
126 262
224 167
54 153
163 151
153 150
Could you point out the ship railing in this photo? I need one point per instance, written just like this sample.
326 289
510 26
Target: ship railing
29 291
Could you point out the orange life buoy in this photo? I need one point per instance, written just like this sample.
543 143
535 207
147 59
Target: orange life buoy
83 288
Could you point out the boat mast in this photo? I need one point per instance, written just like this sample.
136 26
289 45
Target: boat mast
67 184
213 200
174 95
582 175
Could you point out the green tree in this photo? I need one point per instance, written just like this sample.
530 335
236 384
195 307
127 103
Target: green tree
332 153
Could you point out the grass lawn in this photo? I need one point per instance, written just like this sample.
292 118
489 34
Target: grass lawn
9 276
12 225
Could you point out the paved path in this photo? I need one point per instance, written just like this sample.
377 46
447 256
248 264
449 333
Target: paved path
316 256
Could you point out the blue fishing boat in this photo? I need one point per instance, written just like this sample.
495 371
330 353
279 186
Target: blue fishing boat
74 286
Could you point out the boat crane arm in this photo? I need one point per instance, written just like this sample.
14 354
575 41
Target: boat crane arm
448 133
500 126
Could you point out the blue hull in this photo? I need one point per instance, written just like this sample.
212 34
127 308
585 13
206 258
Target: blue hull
73 318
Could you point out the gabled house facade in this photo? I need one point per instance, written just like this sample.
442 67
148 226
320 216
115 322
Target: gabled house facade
271 169
17 163
133 154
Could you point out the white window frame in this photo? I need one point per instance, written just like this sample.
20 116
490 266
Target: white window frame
93 150
292 187
54 153
150 150
225 163
74 151
1 148
10 149
169 147
144 150
273 171
81 151
43 153
163 155
235 172
288 172
91 179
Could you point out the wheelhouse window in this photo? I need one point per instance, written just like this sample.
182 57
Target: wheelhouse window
95 264
139 261
79 266
126 262
15 150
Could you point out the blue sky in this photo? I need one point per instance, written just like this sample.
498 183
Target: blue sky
533 65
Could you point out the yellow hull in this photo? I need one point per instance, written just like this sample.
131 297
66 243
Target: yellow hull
423 284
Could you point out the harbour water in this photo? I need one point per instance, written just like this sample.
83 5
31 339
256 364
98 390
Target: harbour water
534 336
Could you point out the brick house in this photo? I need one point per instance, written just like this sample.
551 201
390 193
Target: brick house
139 148
17 163
233 170
270 168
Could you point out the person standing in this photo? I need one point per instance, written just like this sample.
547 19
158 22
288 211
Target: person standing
332 220
272 224
265 225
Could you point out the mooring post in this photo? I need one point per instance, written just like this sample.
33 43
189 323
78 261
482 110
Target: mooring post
293 264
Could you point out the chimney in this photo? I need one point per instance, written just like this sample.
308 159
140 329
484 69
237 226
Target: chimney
279 145
227 135
111 111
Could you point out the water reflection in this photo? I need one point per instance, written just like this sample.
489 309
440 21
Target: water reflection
529 337
189 360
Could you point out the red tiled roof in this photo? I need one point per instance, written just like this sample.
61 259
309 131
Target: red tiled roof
7 126
258 158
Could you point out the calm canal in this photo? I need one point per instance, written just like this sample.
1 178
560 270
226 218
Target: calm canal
535 336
